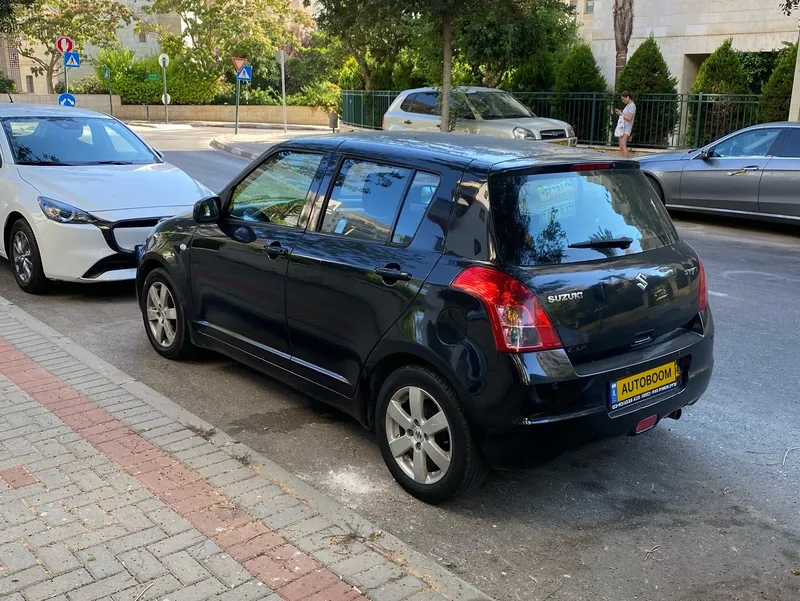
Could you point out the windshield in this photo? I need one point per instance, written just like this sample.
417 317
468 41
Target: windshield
498 105
65 141
538 216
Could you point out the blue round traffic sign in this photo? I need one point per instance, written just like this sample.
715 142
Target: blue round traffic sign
66 99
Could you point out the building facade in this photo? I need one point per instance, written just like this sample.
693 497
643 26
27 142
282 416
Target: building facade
687 31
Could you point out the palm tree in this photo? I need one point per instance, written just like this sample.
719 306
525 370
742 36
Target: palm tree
623 29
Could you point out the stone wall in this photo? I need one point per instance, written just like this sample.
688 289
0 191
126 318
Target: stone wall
296 115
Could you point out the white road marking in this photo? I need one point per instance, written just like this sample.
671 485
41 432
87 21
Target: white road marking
720 294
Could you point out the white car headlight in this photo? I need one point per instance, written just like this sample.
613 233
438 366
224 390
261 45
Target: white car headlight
63 213
520 133
570 131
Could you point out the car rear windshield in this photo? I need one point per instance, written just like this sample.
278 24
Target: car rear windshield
69 141
568 217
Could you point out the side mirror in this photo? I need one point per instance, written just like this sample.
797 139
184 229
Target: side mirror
159 154
707 153
207 210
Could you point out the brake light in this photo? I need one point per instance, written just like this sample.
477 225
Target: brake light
702 301
592 167
518 320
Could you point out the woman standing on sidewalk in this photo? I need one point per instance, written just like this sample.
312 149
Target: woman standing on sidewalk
625 123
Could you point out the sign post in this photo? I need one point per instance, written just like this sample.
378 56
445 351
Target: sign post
243 73
280 56
65 45
163 60
107 75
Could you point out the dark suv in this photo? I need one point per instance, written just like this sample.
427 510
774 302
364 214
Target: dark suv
476 301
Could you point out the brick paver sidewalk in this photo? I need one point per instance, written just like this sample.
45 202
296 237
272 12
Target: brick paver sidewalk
104 496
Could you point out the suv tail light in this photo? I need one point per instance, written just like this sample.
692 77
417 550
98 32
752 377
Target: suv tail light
702 301
518 320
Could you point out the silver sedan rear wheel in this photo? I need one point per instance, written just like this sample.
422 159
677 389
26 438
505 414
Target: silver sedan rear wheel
419 435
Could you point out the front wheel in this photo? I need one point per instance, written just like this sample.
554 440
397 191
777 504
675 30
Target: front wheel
424 436
26 261
163 316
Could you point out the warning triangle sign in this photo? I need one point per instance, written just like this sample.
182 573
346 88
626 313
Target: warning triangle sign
238 63
72 62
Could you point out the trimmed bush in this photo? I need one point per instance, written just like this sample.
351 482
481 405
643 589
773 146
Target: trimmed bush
647 76
777 92
582 98
7 85
720 73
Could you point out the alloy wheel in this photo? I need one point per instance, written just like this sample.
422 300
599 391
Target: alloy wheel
419 435
162 314
21 256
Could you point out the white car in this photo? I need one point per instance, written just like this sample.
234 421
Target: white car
486 111
79 191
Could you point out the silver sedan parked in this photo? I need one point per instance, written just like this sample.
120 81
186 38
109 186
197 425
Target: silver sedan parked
754 172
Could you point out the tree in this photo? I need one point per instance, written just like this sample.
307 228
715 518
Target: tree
8 21
722 76
777 92
623 29
647 76
214 28
789 6
587 113
87 22
370 30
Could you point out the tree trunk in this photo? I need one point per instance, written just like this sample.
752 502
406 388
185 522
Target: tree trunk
365 72
49 75
623 29
447 68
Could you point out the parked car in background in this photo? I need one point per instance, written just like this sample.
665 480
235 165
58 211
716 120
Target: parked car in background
754 172
80 191
475 111
476 301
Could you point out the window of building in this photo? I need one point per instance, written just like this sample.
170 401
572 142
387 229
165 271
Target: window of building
589 7
142 37
29 83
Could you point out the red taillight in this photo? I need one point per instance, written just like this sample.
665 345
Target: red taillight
591 167
518 320
702 301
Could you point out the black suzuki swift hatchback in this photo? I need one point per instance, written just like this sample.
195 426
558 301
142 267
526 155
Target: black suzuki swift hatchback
476 301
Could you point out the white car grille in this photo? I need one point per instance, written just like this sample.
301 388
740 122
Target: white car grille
127 238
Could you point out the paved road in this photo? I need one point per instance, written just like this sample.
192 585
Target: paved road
703 509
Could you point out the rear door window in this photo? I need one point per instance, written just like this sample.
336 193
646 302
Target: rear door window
791 150
425 103
538 216
408 103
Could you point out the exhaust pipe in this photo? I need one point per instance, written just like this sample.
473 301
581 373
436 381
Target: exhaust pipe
676 414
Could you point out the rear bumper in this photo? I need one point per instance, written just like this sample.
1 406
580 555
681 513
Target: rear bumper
547 411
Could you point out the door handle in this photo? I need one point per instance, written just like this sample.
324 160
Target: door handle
275 250
408 122
744 170
390 273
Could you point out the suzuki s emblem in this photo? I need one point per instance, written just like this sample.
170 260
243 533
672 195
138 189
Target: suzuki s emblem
641 281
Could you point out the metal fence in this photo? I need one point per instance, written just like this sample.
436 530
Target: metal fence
662 120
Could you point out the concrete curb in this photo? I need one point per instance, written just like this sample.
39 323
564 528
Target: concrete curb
219 144
392 548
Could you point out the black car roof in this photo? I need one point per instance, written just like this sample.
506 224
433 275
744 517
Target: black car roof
459 149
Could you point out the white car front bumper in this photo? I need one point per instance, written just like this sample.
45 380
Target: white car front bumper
87 253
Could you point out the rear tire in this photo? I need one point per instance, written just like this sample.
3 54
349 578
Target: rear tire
25 259
425 438
163 316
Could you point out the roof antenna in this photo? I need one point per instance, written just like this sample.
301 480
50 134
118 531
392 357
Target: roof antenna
10 99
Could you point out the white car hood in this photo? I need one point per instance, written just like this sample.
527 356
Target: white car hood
113 192
506 126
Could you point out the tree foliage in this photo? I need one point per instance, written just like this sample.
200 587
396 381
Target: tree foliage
87 22
777 91
215 29
579 72
654 89
721 73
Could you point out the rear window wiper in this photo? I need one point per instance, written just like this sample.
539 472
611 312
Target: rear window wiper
622 243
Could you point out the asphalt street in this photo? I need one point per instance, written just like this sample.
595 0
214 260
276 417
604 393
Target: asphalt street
703 509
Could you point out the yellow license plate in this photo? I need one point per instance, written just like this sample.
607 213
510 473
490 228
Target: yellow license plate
562 142
643 385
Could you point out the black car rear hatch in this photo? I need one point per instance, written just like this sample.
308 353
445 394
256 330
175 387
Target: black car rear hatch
596 245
